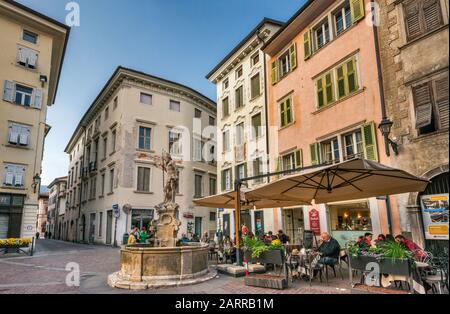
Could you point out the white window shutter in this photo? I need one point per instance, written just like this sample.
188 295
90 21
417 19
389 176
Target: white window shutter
19 179
9 177
32 58
24 135
8 91
22 55
37 99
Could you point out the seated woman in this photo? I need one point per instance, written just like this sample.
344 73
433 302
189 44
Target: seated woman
418 253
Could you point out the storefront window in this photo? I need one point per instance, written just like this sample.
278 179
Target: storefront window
141 218
350 217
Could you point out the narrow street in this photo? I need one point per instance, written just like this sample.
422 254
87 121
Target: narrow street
45 272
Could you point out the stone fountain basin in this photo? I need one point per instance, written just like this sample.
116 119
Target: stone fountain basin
143 266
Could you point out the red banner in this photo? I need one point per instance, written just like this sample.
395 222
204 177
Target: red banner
314 221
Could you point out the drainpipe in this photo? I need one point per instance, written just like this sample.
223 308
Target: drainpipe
382 100
258 33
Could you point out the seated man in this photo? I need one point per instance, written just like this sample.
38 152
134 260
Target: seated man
415 249
366 243
329 250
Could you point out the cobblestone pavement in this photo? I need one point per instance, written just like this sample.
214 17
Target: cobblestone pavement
45 272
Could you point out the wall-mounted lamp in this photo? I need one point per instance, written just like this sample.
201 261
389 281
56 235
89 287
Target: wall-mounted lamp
36 182
385 128
43 79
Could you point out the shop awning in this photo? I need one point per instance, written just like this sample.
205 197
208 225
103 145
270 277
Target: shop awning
228 200
350 180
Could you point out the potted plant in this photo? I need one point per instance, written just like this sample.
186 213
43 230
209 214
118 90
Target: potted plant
257 251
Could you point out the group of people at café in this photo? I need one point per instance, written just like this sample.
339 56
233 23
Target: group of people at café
140 236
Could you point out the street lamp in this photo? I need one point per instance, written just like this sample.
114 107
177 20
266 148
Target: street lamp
36 182
385 128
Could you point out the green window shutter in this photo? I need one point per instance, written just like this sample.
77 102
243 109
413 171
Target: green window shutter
282 114
307 44
320 94
329 89
274 72
299 158
352 78
289 117
293 56
340 82
357 10
223 181
315 158
370 141
278 162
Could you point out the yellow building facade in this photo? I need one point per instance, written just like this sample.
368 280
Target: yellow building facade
32 49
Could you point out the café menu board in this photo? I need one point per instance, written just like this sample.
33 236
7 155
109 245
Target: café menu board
435 216
314 221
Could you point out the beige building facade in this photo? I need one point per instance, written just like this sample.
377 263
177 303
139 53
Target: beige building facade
114 151
57 208
413 38
31 56
241 128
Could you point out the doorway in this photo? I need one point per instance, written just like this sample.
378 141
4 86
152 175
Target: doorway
198 226
92 228
293 224
259 223
226 225
109 221
246 219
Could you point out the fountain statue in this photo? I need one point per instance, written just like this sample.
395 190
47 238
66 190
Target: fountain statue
163 264
167 225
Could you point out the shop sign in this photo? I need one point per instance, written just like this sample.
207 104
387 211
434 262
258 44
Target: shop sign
188 215
314 221
116 210
435 216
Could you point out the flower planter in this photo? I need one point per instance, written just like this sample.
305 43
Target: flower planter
8 246
275 257
399 267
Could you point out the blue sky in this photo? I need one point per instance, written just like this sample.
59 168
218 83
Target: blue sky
180 40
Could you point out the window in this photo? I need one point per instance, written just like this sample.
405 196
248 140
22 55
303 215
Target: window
113 140
146 99
225 84
256 126
285 64
212 216
111 181
422 17
226 180
95 153
115 103
330 151
431 103
14 175
212 121
19 134
145 138
239 72
27 57
258 169
143 179
175 106
100 224
241 171
106 113
175 143
321 35
23 95
93 190
225 108
343 19
353 145
255 86
255 59
198 113
240 134
97 123
288 162
354 217
325 90
212 185
103 185
226 141
347 78
30 37
286 112
105 147
198 185
239 97
198 149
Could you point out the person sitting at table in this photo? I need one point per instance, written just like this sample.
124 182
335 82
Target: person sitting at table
329 250
418 252
380 240
283 237
367 241
250 235
269 237
184 239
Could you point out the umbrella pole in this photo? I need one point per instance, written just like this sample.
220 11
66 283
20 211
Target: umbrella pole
237 219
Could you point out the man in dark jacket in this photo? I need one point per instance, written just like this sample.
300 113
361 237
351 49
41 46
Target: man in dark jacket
329 250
